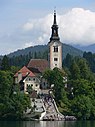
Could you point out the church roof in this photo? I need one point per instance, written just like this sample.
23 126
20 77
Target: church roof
39 65
24 71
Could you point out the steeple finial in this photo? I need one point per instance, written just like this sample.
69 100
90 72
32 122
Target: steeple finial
55 9
55 16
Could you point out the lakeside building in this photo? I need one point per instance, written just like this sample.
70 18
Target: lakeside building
41 97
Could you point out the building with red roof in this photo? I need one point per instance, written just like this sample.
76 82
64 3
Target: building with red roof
27 78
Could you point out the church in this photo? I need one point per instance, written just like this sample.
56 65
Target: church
31 75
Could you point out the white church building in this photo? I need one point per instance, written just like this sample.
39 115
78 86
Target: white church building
31 75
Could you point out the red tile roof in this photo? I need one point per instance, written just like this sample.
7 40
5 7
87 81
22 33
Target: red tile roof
40 64
25 71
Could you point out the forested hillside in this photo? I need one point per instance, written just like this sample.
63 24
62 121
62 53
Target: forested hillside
42 48
77 99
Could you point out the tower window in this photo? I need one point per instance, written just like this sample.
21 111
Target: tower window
55 48
55 59
36 85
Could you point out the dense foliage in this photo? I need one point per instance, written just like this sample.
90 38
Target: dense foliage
22 60
90 59
12 101
77 95
42 48
81 87
55 77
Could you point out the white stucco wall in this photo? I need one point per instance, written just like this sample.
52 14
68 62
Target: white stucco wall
34 83
57 55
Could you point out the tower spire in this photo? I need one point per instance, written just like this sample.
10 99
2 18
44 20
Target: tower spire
54 35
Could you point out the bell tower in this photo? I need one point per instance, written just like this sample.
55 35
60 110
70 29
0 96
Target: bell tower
55 47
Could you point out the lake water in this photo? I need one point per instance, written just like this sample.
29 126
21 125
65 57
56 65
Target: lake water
47 124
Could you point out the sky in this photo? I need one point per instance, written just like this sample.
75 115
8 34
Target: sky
25 23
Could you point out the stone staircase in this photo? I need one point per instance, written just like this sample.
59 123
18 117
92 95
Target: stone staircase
46 107
48 110
52 112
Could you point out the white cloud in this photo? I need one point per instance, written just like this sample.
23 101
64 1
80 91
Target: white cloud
28 26
28 44
76 26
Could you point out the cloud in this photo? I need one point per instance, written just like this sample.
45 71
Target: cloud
28 26
77 26
37 31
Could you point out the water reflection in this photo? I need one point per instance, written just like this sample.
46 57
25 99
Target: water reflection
47 123
56 124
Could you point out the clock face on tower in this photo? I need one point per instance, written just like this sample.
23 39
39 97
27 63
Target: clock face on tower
55 43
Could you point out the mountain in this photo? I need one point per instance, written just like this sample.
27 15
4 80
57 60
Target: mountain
41 48
89 48
37 48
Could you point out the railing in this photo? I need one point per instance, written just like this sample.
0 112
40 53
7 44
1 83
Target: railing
57 108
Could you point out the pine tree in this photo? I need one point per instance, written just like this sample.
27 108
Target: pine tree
5 63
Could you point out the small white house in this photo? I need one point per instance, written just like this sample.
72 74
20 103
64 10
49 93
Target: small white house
24 77
32 81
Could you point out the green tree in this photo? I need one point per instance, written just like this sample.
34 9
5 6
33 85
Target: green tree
5 91
82 104
55 77
82 86
75 71
12 104
6 82
14 69
68 61
5 63
85 71
29 89
90 59
48 75
20 102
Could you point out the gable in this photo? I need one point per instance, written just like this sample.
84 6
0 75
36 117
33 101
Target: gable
24 72
31 79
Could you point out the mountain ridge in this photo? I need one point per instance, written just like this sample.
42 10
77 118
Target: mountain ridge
88 48
41 48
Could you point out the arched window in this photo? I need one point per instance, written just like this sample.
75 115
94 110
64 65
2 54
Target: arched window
55 59
55 48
